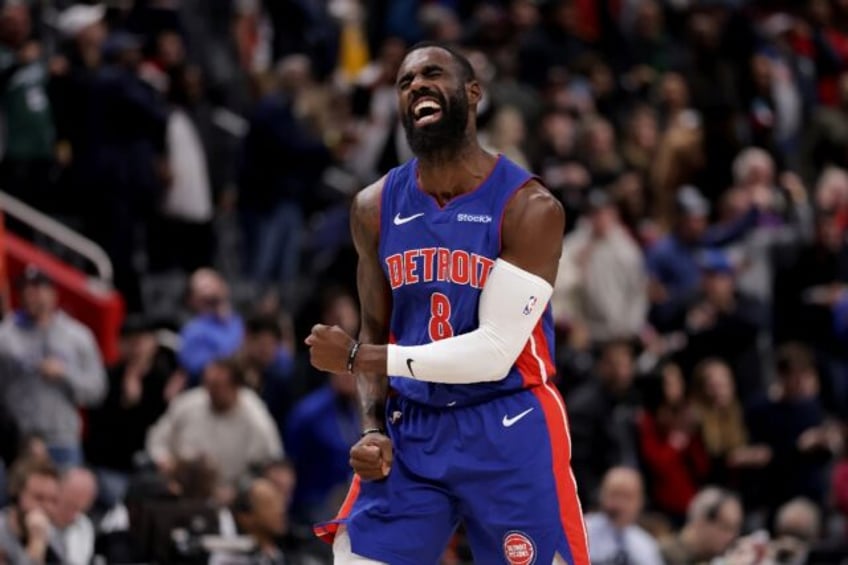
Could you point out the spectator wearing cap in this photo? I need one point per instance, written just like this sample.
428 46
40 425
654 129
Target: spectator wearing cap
672 261
725 323
601 280
118 157
216 331
59 369
223 421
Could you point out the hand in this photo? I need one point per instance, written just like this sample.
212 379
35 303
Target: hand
30 52
329 347
794 186
176 384
52 368
811 439
371 457
132 388
701 317
37 525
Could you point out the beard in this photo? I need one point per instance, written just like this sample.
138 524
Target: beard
444 136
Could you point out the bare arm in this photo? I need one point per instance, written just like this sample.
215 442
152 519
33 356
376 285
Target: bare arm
375 302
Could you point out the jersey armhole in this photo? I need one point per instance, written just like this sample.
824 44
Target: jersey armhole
507 201
384 208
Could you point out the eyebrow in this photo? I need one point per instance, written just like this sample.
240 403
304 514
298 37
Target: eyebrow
431 67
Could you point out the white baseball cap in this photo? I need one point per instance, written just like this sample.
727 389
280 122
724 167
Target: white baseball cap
78 17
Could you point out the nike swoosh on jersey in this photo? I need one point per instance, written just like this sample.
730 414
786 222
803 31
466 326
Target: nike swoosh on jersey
400 221
508 422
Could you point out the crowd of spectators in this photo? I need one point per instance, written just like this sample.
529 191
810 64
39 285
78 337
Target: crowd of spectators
211 147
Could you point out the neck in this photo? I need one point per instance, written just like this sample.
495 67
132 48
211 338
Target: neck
449 173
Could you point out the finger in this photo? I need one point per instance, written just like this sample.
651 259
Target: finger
386 453
366 453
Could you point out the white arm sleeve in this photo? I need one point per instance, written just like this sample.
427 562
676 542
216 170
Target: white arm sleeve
511 303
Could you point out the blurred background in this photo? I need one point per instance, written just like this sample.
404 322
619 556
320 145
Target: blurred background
176 177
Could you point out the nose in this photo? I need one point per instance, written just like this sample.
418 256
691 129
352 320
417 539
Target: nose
419 85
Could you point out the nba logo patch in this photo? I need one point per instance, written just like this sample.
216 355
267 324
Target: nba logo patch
530 305
519 549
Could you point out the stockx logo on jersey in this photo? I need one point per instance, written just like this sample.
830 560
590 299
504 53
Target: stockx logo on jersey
439 264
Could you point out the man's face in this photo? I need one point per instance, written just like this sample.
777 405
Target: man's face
223 392
621 498
40 492
268 515
38 299
433 101
616 367
718 534
76 496
261 348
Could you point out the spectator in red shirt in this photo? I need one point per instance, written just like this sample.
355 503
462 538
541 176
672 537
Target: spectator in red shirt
672 450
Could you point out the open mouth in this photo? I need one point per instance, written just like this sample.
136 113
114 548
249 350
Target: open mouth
426 111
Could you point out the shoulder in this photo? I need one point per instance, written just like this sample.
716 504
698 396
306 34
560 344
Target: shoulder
365 212
73 326
534 202
643 539
189 401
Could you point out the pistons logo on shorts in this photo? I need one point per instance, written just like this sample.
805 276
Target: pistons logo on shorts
519 549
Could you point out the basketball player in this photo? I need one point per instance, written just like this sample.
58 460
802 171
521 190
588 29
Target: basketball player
458 252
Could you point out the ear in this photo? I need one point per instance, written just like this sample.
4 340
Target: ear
474 91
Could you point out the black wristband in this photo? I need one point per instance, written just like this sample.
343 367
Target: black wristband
351 356
373 431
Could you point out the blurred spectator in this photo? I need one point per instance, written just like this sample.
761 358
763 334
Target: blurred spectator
29 137
77 492
602 415
115 124
796 531
672 261
26 535
598 150
791 421
601 280
721 420
506 135
381 143
673 454
319 434
282 161
140 386
713 522
614 536
259 512
215 331
59 369
222 420
723 322
182 236
269 362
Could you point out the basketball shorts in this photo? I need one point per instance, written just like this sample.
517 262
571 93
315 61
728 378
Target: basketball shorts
500 467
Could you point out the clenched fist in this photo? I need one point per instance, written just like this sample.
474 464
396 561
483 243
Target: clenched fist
329 347
371 457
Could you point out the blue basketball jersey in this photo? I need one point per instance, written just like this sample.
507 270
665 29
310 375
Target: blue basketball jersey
436 260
